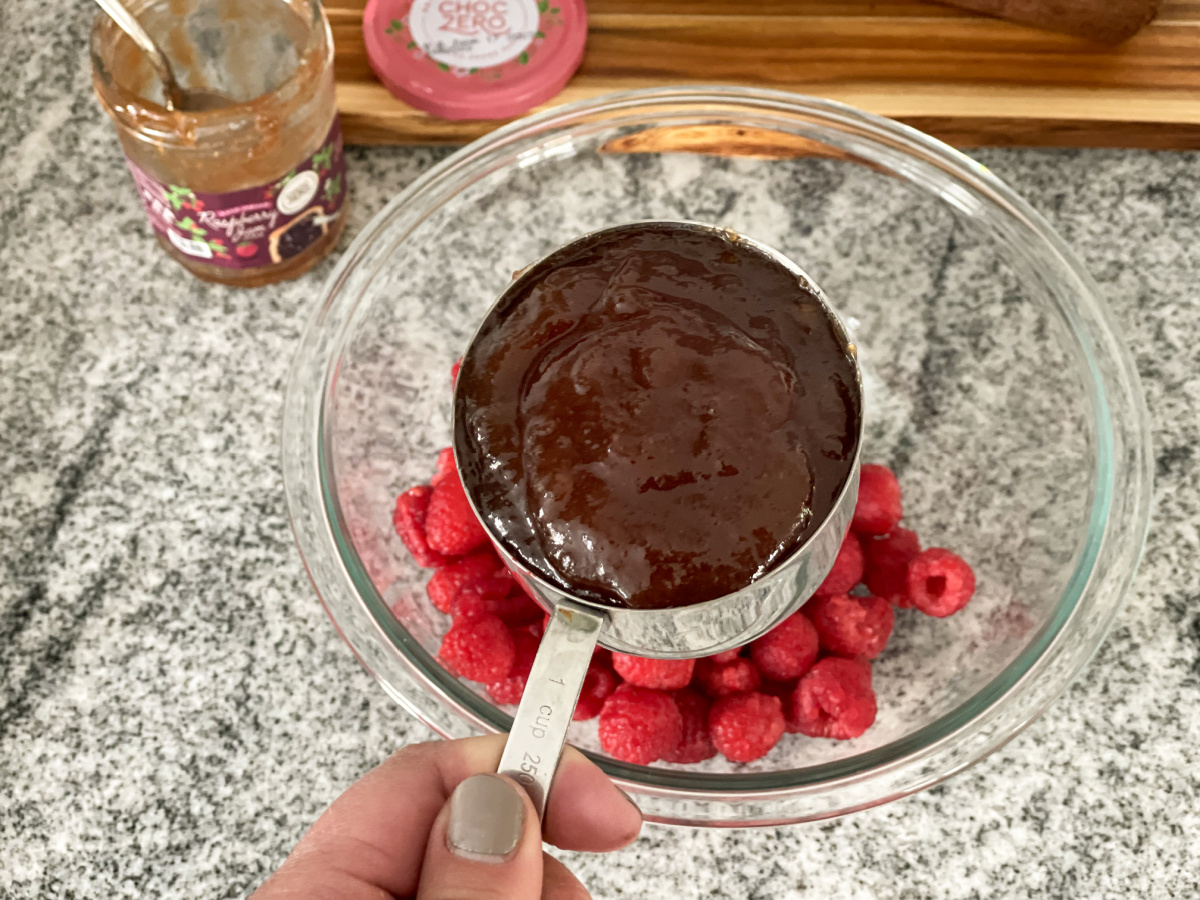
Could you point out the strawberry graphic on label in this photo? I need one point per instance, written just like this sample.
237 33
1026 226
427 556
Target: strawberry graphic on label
246 249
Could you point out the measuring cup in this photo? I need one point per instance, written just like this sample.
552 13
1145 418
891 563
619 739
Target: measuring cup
577 623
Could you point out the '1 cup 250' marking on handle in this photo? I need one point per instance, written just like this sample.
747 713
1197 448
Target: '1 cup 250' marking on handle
542 722
531 761
529 768
539 728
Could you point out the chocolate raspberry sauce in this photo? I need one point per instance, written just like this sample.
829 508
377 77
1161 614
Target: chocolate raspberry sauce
658 414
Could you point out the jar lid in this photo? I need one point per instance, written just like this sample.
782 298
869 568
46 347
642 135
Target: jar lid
475 59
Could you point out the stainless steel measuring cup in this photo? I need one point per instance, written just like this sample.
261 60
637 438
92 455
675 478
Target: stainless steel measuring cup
576 623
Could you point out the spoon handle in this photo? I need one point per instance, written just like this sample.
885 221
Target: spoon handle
128 23
539 728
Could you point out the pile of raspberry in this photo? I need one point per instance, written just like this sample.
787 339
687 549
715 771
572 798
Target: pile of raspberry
809 675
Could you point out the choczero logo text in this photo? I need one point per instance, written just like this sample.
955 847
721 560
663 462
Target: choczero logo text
474 34
474 17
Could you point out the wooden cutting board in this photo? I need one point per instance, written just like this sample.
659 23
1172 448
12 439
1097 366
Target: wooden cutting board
967 79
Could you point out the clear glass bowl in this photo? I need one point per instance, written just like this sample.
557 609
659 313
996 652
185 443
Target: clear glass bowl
995 387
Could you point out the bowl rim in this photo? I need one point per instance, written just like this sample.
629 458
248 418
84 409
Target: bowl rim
911 763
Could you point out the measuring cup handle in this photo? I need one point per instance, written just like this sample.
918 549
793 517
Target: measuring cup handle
551 692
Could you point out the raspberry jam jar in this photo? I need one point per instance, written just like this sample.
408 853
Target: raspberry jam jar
247 186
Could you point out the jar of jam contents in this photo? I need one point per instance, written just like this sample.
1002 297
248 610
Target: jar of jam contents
245 184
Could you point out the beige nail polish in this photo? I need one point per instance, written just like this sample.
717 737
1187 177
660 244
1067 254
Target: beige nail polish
487 818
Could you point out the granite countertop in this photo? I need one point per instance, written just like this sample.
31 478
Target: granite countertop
175 709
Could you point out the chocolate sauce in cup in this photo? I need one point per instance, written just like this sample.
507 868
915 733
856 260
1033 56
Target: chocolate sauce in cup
659 425
658 416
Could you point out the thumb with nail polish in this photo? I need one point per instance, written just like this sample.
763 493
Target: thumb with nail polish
435 822
485 843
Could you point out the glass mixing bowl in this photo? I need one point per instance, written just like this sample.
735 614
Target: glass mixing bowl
995 387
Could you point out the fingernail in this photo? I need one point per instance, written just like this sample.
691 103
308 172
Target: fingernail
487 818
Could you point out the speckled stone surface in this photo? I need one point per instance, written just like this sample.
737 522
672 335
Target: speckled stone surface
175 708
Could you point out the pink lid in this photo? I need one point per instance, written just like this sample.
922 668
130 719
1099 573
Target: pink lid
475 59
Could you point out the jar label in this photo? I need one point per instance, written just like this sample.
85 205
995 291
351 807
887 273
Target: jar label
473 34
254 227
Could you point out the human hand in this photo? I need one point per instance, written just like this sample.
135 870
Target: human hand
435 822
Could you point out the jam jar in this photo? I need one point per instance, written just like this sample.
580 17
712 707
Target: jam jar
245 184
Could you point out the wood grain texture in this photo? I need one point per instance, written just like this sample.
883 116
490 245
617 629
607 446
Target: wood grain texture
1107 21
969 79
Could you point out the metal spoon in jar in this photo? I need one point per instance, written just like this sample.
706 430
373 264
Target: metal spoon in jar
576 623
177 99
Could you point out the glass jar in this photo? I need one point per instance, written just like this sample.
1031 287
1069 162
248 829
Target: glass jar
247 187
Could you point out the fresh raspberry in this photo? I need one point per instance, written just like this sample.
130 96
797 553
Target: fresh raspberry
481 595
445 465
719 679
518 609
746 726
639 725
528 592
847 568
726 655
510 688
661 674
788 650
447 580
599 682
853 626
409 518
495 595
696 744
479 648
834 700
781 689
450 524
940 583
878 509
887 560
